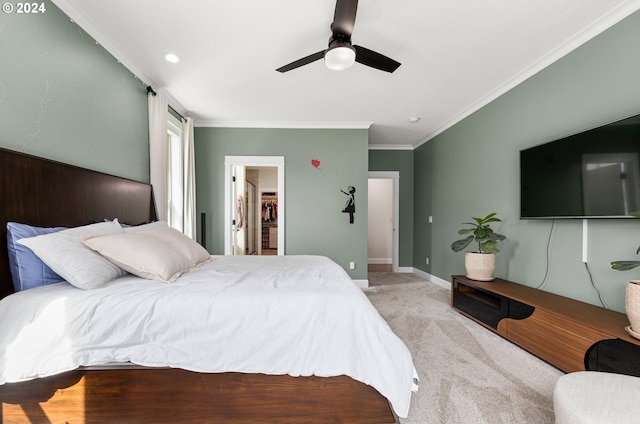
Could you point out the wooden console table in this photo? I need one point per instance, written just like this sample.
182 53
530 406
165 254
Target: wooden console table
569 334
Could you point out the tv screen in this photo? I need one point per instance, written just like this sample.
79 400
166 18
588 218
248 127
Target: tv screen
593 174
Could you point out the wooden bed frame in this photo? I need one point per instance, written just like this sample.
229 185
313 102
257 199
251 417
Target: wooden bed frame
44 193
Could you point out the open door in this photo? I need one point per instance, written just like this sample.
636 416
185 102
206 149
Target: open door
252 215
239 212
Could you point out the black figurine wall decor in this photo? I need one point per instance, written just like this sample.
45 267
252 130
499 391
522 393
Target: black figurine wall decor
350 206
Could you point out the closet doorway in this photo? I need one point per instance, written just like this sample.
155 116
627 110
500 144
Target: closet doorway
254 205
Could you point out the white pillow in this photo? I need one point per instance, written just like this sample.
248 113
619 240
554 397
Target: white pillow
196 254
65 254
141 255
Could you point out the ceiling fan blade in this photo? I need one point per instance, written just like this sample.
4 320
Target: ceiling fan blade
375 60
344 18
301 62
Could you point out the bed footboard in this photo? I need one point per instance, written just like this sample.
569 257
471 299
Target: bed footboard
174 395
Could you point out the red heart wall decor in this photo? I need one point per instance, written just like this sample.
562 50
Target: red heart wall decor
315 163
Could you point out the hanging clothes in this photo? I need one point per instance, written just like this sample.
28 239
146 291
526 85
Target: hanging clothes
269 210
265 211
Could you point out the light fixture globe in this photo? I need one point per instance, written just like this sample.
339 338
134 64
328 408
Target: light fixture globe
339 56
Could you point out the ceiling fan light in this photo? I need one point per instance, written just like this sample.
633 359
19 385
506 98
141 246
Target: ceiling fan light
340 56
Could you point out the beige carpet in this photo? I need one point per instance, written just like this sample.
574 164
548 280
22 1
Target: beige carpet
467 373
388 278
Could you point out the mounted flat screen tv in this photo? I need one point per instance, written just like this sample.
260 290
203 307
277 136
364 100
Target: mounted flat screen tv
592 174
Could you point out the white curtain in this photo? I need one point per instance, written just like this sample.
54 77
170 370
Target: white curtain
189 180
158 150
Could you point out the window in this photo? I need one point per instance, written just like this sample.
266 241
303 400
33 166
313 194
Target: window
175 191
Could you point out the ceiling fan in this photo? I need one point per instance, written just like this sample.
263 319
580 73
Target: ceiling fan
341 54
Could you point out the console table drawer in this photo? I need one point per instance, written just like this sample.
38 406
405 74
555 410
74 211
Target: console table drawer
614 355
559 341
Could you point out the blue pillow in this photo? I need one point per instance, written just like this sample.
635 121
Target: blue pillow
27 270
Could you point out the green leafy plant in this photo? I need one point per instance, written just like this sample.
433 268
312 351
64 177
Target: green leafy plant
627 265
480 231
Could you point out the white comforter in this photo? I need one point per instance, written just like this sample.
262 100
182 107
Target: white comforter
296 315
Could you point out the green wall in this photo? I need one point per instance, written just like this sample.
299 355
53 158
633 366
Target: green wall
424 183
401 161
473 169
313 201
65 98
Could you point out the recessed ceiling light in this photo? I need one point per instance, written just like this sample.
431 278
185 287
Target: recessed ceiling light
171 57
414 119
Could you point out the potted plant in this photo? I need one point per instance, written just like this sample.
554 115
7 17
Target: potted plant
632 292
627 265
480 264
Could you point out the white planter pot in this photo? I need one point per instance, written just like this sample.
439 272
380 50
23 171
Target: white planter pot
480 266
632 307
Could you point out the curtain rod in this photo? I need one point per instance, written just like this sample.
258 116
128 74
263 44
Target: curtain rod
176 113
171 109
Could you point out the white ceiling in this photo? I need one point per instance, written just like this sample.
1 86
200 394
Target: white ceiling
456 55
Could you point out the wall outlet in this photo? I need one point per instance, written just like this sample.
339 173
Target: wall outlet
430 219
352 265
427 261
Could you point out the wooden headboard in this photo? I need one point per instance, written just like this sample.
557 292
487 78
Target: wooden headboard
46 193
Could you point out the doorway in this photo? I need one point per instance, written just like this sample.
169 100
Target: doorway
254 205
382 239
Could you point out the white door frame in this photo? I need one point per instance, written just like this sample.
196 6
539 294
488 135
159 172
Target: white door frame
395 177
229 163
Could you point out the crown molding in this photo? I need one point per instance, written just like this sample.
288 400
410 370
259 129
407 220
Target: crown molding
103 40
285 125
605 22
391 147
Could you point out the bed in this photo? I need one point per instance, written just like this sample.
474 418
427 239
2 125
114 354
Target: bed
250 380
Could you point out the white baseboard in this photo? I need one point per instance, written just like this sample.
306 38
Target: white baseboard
404 270
379 261
363 284
436 280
